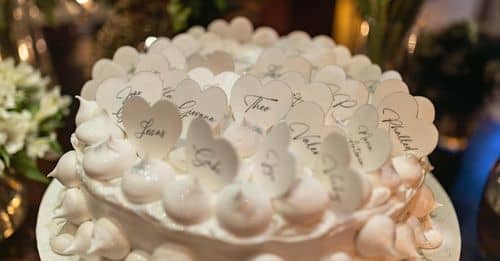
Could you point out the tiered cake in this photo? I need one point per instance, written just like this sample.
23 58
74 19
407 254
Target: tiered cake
235 144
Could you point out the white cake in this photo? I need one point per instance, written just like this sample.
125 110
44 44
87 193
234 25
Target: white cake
256 147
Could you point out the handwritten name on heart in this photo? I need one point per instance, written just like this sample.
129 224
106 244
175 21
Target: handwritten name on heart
209 104
273 63
386 88
153 130
260 105
212 160
398 113
171 78
113 93
314 92
345 183
370 146
306 124
275 168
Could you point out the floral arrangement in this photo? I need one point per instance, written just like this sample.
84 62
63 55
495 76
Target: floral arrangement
30 112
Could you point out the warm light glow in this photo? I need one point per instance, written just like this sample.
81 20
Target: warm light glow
87 4
412 42
17 13
364 28
82 2
41 45
23 51
149 41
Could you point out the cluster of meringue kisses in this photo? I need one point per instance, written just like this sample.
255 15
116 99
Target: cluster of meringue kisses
248 133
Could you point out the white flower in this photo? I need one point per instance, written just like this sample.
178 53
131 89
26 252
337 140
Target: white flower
38 147
15 127
2 167
51 103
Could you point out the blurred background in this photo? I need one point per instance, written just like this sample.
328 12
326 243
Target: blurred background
447 50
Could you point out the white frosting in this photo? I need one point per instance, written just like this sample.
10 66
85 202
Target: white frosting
186 201
376 238
109 160
171 252
144 182
339 256
73 207
379 196
243 209
305 202
86 111
138 255
81 240
177 158
60 243
409 168
424 202
389 177
98 129
108 240
405 242
65 170
266 257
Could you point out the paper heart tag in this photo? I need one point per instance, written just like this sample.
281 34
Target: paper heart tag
345 183
159 44
217 62
209 104
398 113
171 79
370 146
89 90
390 75
368 75
205 78
152 62
240 29
113 93
127 57
213 161
272 63
315 92
153 130
330 75
219 27
307 129
175 58
356 64
347 98
265 36
275 168
425 109
105 69
386 88
342 55
260 105
186 43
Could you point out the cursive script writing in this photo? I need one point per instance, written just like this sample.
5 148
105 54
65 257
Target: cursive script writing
187 109
255 102
337 184
123 95
395 123
271 161
206 157
167 92
341 99
147 130
301 132
362 137
297 98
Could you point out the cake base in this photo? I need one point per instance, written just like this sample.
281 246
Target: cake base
445 218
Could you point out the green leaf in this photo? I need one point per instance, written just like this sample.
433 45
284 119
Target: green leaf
47 7
27 167
5 157
55 146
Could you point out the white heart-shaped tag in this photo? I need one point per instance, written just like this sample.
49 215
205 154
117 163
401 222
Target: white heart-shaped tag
171 79
425 109
274 166
356 64
368 75
205 78
390 75
209 104
307 129
213 161
186 43
89 90
398 113
105 69
153 130
175 58
265 36
114 92
315 92
386 88
217 62
219 27
240 29
345 183
370 146
127 57
272 63
260 105
342 55
159 44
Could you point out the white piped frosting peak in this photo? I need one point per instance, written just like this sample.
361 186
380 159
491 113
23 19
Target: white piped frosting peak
138 255
376 238
305 202
109 160
171 252
60 243
86 111
266 257
245 139
98 129
82 238
409 168
338 256
108 240
243 209
405 242
65 170
73 207
186 201
143 183
424 202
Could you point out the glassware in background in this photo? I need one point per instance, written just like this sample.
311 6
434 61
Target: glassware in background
488 220
13 205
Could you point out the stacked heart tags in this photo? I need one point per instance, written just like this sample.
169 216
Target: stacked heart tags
246 138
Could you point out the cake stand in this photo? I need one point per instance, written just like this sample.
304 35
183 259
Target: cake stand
445 218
